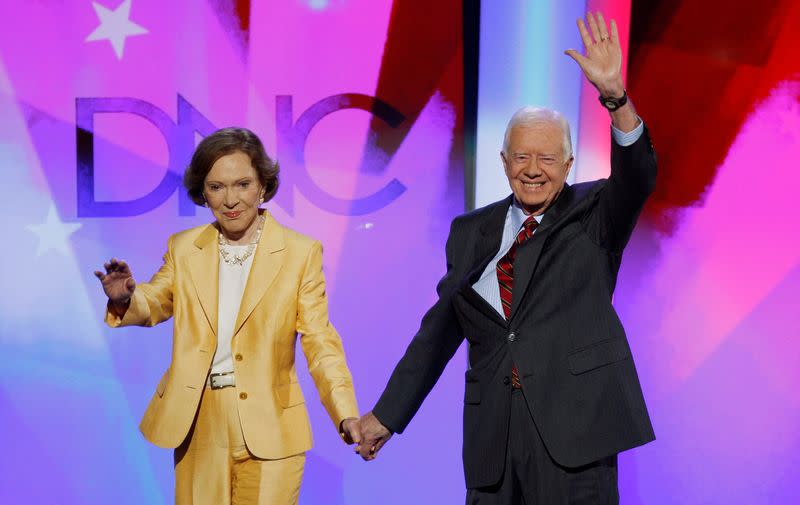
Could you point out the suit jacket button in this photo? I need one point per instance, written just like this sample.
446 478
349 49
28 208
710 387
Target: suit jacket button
512 337
238 357
243 396
506 380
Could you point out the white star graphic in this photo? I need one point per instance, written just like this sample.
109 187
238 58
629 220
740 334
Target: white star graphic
53 233
115 26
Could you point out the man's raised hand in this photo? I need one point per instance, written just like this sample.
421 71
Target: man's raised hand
602 64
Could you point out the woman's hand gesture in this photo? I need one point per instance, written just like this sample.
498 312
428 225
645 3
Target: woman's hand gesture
118 282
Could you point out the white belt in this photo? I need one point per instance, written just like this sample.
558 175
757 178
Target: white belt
221 380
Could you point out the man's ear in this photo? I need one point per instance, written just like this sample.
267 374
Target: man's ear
570 162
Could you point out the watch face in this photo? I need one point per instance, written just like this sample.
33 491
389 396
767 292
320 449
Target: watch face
610 104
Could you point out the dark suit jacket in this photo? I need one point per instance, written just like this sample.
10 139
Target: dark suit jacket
563 333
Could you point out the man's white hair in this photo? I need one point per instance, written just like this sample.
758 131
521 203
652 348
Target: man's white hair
529 116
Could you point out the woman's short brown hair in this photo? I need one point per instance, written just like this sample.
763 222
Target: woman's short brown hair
223 142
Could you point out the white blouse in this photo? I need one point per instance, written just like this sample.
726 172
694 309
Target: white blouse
232 280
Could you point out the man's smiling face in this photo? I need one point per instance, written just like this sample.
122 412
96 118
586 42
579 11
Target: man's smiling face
535 164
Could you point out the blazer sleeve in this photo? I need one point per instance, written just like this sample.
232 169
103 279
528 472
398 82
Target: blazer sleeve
621 199
322 344
428 353
151 302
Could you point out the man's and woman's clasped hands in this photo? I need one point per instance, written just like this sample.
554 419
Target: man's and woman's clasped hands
367 433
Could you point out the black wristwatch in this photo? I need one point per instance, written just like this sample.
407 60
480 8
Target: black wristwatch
611 103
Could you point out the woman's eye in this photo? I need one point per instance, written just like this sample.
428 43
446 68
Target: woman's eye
214 187
244 184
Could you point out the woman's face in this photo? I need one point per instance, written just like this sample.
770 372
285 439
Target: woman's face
233 193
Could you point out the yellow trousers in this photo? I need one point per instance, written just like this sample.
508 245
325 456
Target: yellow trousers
214 467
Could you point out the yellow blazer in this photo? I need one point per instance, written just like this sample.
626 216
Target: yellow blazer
284 296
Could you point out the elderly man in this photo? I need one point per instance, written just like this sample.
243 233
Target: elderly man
551 394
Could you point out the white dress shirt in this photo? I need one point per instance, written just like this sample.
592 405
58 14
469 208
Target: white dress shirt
232 280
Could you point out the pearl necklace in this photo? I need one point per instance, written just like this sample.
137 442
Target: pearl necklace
236 259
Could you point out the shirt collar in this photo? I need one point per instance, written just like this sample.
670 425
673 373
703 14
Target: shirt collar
518 216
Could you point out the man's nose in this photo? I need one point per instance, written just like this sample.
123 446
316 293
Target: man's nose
532 170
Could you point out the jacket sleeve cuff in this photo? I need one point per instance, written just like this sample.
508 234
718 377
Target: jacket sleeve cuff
341 405
138 313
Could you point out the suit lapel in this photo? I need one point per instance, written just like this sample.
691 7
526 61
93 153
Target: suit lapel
481 305
266 265
488 243
491 234
204 271
529 252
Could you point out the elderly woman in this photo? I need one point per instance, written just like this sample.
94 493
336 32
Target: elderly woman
240 290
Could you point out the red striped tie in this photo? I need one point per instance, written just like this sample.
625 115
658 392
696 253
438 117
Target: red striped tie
505 277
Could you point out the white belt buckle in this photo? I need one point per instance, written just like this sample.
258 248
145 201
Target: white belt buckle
221 380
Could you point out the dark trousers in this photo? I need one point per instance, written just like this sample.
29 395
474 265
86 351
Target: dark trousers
531 477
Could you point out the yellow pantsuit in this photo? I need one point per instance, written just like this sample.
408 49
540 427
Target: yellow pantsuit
284 296
214 463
